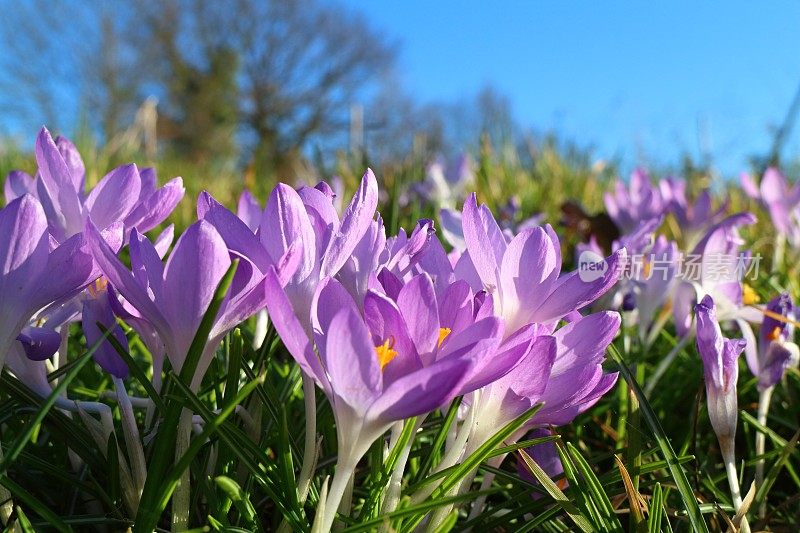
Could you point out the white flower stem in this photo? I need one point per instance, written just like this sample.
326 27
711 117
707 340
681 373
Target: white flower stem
181 496
132 439
764 398
396 482
341 479
729 457
310 451
451 456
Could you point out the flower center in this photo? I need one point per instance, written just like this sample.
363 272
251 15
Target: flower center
774 334
385 352
99 285
749 296
443 333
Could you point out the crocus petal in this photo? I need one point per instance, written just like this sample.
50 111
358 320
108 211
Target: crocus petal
237 236
285 220
146 264
355 222
56 188
39 343
164 240
571 292
585 340
330 298
291 331
526 275
98 309
249 211
74 163
485 242
417 303
422 391
18 183
123 279
350 360
23 250
156 207
322 214
191 276
115 196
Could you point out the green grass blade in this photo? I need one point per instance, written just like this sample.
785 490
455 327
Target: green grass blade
678 475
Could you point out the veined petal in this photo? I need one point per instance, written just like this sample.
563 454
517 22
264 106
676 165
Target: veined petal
485 242
350 360
153 209
191 276
56 189
422 391
237 236
115 196
355 222
291 331
286 221
19 183
417 304
571 292
526 275
249 211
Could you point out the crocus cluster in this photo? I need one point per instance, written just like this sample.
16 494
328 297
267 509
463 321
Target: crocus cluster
389 327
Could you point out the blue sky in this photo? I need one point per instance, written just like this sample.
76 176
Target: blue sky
642 81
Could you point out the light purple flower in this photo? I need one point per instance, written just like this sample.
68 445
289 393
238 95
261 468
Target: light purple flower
174 297
562 371
523 275
717 267
721 369
776 349
28 261
353 369
693 219
780 199
630 206
124 196
306 220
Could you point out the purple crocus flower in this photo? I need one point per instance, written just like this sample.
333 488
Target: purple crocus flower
780 199
776 349
445 184
124 196
28 261
629 206
563 371
693 219
249 210
174 297
523 275
354 372
307 220
720 367
716 267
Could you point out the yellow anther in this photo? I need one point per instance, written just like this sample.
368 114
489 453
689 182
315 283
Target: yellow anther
443 333
385 352
749 296
99 285
774 334
647 268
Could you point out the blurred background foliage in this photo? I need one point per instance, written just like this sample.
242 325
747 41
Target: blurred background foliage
245 93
